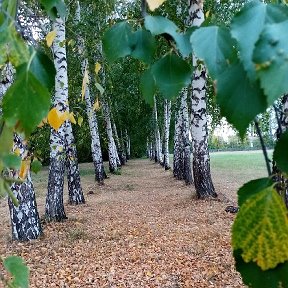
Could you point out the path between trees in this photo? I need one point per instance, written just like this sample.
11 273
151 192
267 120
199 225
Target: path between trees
141 229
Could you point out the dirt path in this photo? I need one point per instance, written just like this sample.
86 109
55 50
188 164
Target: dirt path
142 229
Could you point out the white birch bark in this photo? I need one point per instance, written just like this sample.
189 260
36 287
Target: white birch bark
178 163
112 153
158 155
91 115
167 117
127 145
25 221
201 159
187 171
63 150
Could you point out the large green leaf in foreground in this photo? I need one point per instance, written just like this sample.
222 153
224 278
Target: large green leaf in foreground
118 41
239 99
147 86
271 57
171 74
19 271
26 102
215 46
260 229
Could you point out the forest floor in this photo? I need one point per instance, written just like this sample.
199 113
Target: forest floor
142 228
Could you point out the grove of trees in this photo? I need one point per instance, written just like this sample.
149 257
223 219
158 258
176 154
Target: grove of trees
91 81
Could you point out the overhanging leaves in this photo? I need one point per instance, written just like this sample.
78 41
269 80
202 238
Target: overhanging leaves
118 41
260 229
54 8
271 58
147 86
214 45
144 46
281 153
239 99
158 25
171 74
27 101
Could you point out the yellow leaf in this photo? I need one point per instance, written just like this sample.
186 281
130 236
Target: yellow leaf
97 68
84 83
72 118
207 14
80 121
50 37
25 166
57 118
96 105
153 4
17 151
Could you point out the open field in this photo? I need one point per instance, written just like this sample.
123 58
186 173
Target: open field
141 229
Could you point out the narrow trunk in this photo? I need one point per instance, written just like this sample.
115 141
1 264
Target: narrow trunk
127 145
167 117
201 159
62 146
111 144
187 172
158 156
178 163
95 138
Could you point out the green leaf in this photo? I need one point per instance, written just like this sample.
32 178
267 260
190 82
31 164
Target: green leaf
6 139
54 8
118 41
145 46
27 101
253 276
239 99
159 25
251 188
248 24
246 27
36 166
281 153
19 271
100 88
171 74
11 161
215 46
147 86
271 58
260 229
43 69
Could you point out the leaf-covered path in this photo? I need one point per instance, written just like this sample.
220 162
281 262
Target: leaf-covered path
141 229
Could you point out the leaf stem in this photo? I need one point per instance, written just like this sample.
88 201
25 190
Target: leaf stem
263 147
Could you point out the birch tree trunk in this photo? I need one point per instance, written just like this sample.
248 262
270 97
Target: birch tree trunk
167 118
63 150
158 156
25 221
201 159
113 167
127 145
178 162
187 173
91 115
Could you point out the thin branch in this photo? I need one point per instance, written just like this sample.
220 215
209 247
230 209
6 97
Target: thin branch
279 130
263 147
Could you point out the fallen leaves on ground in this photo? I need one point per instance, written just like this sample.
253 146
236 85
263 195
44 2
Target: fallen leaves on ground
141 229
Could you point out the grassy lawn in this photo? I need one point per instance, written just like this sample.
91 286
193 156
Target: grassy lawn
232 169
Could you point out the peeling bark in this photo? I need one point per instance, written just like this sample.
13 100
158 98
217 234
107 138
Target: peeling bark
201 159
63 150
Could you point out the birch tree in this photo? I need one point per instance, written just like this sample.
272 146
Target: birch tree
91 115
63 150
25 221
167 118
201 159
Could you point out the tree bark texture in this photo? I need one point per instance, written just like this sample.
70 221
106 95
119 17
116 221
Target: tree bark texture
127 145
63 150
167 118
201 159
113 163
158 155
